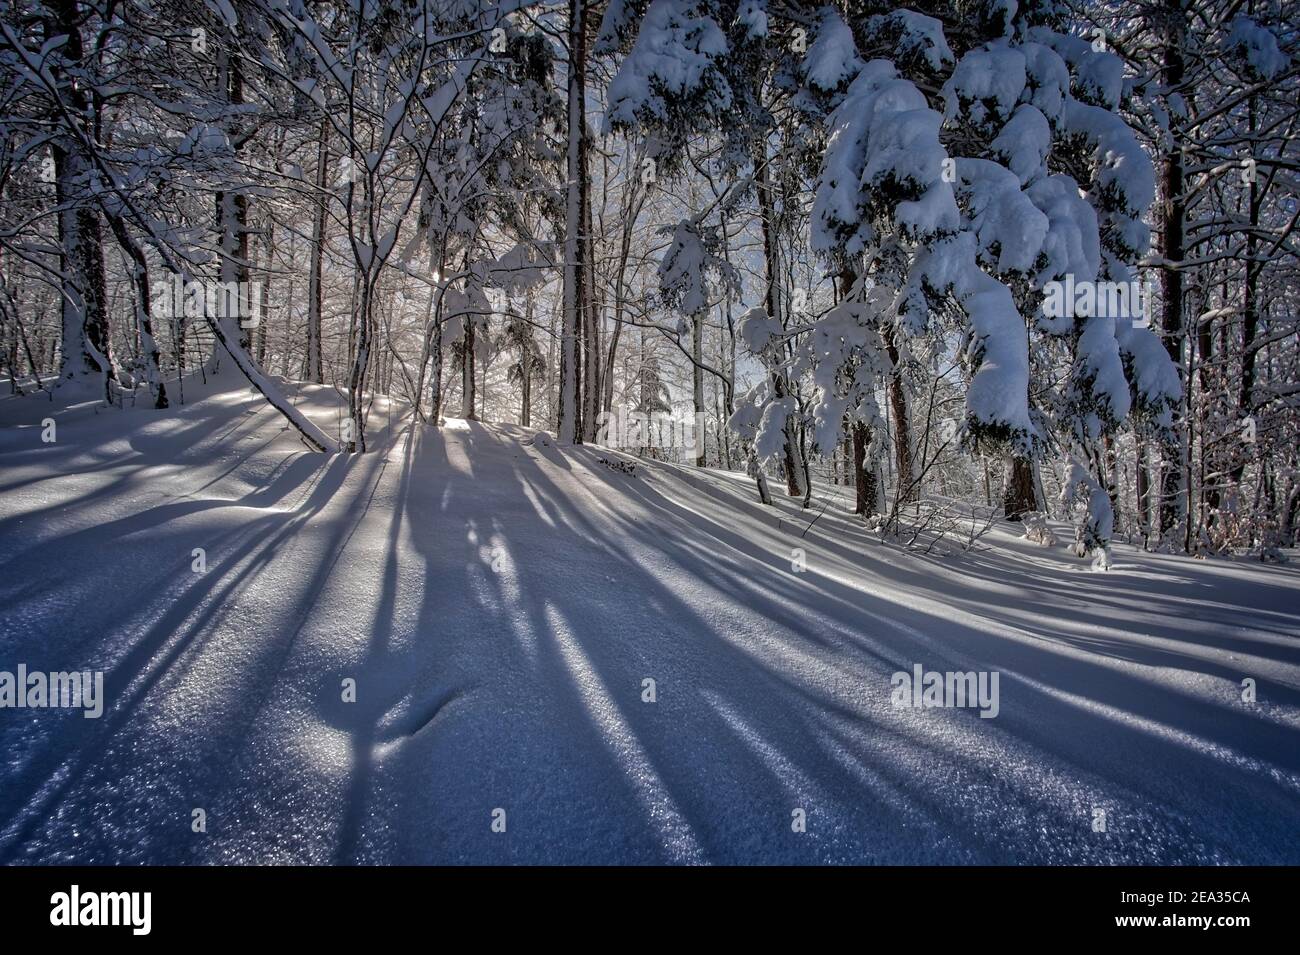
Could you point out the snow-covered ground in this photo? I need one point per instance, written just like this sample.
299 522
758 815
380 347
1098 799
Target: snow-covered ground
499 604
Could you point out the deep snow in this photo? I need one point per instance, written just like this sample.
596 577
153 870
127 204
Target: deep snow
499 604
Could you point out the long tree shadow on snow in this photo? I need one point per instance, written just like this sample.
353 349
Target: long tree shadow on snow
597 630
186 609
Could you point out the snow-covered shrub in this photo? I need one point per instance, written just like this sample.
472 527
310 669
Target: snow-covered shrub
1036 528
1101 559
1090 509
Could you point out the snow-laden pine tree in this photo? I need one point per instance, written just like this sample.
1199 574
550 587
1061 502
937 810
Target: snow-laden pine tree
974 156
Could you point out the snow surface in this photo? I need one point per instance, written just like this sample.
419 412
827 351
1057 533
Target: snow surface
499 603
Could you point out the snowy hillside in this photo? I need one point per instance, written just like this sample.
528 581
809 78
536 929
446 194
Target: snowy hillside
500 601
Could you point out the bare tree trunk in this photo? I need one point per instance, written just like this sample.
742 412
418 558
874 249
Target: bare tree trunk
909 490
526 368
1143 491
569 420
86 340
1020 497
526 391
866 485
355 440
591 388
771 257
435 367
857 437
1249 309
232 215
1174 478
467 379
268 244
1211 496
697 385
143 309
432 350
315 277
620 288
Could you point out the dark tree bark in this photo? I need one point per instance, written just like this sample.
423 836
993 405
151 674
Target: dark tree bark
467 376
315 276
143 309
1143 490
569 416
864 478
1249 310
697 386
772 301
1174 476
901 415
1019 497
526 369
591 355
232 208
86 345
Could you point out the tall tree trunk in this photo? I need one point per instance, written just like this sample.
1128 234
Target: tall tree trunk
1174 478
772 299
620 288
857 437
900 413
526 367
1211 495
591 388
865 480
362 315
268 269
569 420
697 386
315 277
143 309
1019 497
432 351
435 366
1249 309
355 441
1143 481
232 218
86 342
468 381
526 389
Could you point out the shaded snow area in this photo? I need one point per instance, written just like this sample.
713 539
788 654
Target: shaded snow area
500 602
